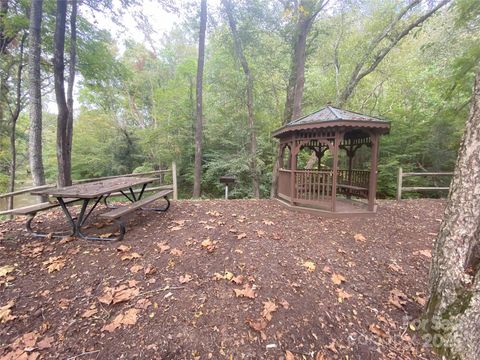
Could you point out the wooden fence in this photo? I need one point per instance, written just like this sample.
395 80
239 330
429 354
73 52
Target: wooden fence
158 173
401 188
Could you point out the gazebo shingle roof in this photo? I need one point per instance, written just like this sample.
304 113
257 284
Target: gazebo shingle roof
332 116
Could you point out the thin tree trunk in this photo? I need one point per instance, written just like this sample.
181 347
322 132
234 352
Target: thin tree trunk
63 176
197 180
13 122
250 108
35 93
453 310
70 84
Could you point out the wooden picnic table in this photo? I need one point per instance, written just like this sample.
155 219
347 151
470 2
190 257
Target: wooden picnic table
97 191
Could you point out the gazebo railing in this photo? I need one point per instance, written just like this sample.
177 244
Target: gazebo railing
360 178
313 185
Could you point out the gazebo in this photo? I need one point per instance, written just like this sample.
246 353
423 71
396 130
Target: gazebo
324 165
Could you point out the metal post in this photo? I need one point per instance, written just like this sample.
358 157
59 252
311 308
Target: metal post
174 180
226 192
399 183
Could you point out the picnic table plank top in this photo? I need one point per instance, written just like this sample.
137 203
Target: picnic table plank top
94 189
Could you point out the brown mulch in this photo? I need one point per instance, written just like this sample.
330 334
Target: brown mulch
239 279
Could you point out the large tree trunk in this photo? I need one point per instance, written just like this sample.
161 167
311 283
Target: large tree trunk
307 12
63 176
71 82
34 87
197 180
13 122
250 109
453 310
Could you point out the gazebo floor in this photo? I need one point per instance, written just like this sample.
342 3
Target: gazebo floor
344 208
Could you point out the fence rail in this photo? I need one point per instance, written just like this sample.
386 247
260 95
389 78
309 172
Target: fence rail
172 170
401 175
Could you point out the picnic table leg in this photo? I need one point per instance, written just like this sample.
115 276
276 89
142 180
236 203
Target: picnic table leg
132 199
162 208
57 234
80 220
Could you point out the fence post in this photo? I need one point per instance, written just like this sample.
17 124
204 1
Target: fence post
174 180
399 183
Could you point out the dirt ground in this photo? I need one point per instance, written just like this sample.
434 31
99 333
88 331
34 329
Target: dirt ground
240 279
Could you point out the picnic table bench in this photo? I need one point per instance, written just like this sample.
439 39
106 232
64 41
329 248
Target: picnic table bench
95 192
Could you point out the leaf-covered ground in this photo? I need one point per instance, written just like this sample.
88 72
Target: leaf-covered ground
241 279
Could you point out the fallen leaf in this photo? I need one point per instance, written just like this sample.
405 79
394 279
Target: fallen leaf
6 312
377 330
54 263
131 256
136 268
163 246
258 325
359 237
342 295
337 279
284 303
241 236
332 347
238 279
208 244
143 304
214 213
4 270
421 300
268 308
176 252
66 239
395 267
45 343
127 318
119 294
327 269
289 355
89 313
123 248
176 228
185 279
149 270
397 298
247 292
309 265
427 253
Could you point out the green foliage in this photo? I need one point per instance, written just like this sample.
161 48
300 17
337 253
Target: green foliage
137 104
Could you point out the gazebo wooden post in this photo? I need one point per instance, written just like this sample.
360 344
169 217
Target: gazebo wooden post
293 167
372 184
335 170
350 154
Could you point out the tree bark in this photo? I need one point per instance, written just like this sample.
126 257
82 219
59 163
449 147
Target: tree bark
250 108
71 82
197 180
13 122
307 12
63 176
453 309
35 94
